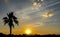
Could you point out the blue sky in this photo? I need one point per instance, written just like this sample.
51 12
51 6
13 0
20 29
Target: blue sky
38 19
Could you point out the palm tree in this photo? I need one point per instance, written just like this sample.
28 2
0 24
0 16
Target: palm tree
10 20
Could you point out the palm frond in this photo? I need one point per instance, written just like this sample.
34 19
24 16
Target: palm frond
14 17
16 21
5 20
10 15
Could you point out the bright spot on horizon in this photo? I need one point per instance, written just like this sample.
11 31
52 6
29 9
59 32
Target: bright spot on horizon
28 31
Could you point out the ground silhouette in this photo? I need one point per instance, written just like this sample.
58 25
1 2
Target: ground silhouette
24 35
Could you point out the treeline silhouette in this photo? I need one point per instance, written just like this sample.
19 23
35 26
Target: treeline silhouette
24 35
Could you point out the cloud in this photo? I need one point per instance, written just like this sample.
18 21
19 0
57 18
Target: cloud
25 17
48 14
35 24
6 1
39 24
27 13
42 0
53 4
37 3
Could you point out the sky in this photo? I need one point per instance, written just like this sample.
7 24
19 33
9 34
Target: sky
40 16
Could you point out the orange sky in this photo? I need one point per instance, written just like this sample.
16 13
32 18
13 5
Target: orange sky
40 16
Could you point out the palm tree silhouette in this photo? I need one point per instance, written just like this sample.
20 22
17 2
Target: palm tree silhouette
10 20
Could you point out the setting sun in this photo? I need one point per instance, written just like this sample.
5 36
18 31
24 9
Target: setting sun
28 31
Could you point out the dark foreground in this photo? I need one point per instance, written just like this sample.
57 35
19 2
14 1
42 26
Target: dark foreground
53 35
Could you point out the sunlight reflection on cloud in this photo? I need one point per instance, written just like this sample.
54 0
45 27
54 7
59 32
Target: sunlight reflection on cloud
37 4
48 14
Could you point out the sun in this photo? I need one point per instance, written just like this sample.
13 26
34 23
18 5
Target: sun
28 31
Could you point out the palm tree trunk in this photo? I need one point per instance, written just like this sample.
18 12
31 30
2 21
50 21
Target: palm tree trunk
10 30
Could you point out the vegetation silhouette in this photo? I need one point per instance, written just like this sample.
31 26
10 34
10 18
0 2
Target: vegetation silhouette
10 20
35 35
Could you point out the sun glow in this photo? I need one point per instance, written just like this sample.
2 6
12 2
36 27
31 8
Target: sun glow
28 31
